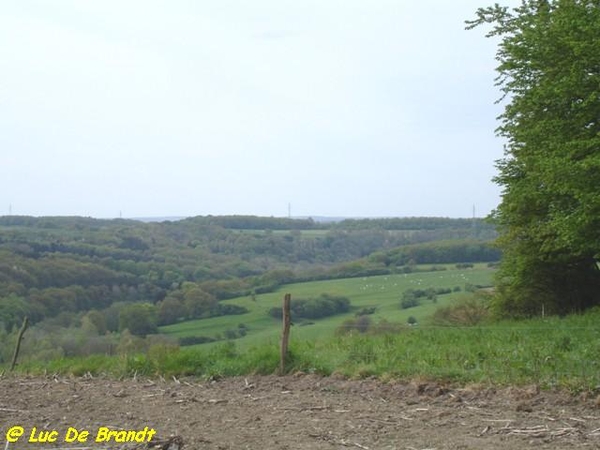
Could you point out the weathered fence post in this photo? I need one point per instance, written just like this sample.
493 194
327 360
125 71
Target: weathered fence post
18 344
286 332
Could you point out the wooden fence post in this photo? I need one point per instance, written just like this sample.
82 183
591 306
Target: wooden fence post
286 332
18 344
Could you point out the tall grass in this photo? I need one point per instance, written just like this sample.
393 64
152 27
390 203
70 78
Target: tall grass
551 352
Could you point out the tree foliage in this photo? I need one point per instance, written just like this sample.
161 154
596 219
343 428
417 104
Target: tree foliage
314 308
51 265
549 216
139 319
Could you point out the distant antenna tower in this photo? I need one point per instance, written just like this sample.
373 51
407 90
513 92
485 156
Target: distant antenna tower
289 210
10 210
474 223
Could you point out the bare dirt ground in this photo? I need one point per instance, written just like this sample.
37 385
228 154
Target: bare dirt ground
296 412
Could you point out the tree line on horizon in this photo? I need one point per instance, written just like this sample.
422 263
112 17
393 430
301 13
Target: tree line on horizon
59 267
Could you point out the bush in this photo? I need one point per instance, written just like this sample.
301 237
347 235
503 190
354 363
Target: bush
231 334
193 340
467 311
411 297
364 324
385 327
314 308
360 324
469 287
409 302
229 310
366 311
235 333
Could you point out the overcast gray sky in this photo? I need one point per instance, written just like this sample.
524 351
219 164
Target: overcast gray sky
351 108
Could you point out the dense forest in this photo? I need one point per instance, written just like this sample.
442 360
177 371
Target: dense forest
110 274
548 74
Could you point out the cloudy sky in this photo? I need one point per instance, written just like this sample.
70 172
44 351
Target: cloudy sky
184 107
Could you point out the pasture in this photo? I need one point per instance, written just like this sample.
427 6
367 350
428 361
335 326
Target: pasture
382 292
550 352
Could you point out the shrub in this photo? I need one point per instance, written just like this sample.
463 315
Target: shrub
411 297
228 310
469 287
360 324
467 311
314 308
385 327
193 340
231 334
409 302
364 324
366 311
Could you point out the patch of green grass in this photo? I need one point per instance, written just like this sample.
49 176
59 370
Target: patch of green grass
552 353
548 352
383 292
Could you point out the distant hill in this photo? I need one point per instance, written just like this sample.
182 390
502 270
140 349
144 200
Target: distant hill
159 219
55 265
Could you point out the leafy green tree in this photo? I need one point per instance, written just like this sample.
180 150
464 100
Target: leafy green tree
138 318
99 321
12 311
549 216
170 310
314 308
111 316
198 303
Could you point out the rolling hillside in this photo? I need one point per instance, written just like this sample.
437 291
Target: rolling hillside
382 292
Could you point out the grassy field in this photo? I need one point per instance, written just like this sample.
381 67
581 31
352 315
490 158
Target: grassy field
549 352
552 352
383 292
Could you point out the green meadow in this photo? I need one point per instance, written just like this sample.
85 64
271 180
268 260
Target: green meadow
382 292
550 352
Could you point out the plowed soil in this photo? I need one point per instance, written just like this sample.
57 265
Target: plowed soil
297 412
